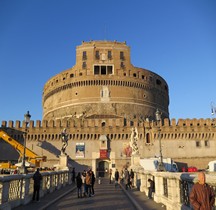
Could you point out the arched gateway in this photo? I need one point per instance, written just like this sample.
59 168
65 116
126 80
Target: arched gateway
103 168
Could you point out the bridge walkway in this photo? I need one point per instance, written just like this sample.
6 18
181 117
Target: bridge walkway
107 197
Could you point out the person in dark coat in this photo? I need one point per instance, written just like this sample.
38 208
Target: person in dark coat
132 178
93 182
116 178
79 185
110 176
37 177
151 188
73 175
202 196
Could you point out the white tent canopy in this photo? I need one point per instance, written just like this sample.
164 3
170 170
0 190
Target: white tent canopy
27 164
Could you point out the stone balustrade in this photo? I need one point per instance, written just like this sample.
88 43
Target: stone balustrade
171 189
17 189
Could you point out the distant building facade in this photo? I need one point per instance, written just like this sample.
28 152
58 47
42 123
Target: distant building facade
101 101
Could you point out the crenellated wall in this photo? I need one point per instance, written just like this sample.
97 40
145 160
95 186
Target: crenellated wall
167 123
189 141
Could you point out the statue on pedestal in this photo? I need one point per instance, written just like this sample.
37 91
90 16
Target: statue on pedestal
64 137
133 141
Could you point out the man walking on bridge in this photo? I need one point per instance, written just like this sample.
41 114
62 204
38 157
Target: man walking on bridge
37 177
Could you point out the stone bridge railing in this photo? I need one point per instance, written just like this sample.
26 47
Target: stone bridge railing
171 189
16 190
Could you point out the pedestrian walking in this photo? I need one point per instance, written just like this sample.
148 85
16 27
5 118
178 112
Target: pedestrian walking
131 178
122 176
84 183
202 196
88 183
79 185
126 179
110 175
92 183
37 177
151 188
73 175
116 178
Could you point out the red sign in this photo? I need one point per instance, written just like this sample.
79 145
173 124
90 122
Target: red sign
103 153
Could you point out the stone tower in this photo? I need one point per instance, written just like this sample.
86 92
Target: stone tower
104 84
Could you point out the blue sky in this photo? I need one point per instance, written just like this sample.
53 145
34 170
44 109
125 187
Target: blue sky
173 38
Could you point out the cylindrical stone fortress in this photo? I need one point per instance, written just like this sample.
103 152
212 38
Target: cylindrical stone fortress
104 84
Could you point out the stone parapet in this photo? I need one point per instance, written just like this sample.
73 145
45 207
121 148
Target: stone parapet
171 189
13 195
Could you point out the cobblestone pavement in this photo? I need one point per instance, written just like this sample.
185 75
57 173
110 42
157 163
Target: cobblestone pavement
107 197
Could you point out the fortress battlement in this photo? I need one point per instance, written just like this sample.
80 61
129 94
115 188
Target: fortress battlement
118 122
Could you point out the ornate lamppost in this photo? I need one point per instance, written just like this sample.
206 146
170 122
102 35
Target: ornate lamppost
213 108
158 120
213 112
27 117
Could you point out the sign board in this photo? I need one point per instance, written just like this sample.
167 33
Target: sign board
103 154
80 150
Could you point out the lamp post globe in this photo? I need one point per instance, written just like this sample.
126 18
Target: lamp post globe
158 115
27 118
158 120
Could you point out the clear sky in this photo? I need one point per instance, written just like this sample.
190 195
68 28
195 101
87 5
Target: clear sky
173 38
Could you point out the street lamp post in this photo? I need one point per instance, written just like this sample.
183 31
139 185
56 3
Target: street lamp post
27 117
213 108
213 112
158 119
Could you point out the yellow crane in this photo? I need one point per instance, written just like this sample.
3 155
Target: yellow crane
30 156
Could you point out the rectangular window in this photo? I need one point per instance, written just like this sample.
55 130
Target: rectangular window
84 65
109 55
206 143
122 55
109 70
84 55
96 69
198 144
97 55
103 70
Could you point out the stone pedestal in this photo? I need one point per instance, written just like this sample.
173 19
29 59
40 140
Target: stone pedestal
135 163
63 163
135 160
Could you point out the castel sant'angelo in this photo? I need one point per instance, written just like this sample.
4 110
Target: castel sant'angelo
101 101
